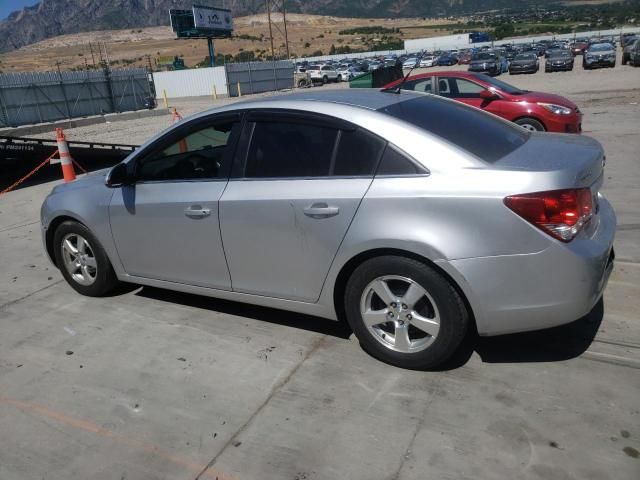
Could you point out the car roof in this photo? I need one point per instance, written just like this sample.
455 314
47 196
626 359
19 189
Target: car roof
367 98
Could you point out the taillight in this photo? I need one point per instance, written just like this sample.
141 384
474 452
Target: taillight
560 213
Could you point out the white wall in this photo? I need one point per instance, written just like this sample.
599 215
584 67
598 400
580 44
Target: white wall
435 43
191 83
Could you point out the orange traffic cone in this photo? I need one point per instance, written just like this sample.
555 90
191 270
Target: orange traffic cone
175 117
65 157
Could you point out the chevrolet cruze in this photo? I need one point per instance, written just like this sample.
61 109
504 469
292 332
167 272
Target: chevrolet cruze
414 217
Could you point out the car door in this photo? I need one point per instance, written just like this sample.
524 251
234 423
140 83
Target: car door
467 92
165 225
293 194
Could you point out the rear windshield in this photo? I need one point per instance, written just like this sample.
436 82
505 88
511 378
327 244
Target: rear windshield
481 134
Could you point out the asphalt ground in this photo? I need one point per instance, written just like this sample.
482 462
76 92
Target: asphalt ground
152 384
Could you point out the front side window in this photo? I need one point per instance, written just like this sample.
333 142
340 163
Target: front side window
201 154
467 89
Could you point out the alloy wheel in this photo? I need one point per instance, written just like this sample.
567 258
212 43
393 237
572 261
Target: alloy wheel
79 259
400 314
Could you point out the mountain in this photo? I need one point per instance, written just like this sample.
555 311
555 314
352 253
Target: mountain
50 18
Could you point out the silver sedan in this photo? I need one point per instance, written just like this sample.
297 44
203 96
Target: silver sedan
415 218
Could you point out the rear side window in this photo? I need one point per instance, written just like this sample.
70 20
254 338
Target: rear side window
395 162
282 150
358 153
481 134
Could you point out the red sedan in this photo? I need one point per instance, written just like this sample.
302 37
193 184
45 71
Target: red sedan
532 110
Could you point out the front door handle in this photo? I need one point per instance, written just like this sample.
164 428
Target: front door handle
196 211
321 210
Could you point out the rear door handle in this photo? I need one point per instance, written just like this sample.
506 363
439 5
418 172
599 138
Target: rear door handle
196 211
321 210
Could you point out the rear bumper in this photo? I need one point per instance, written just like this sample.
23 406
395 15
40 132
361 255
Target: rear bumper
518 293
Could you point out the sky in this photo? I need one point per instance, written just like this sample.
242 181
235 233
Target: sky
8 6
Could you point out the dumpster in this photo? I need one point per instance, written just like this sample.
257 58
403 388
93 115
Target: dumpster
378 78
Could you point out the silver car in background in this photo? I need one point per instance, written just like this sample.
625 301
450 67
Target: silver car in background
414 217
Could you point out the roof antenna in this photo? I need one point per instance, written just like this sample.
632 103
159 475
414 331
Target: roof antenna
406 77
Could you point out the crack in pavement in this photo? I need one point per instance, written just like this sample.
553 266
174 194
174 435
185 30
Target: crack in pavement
12 302
13 227
421 421
274 390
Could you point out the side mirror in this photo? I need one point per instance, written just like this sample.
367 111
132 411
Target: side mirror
118 176
488 95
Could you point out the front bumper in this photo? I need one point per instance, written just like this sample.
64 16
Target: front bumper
559 68
601 62
522 68
562 283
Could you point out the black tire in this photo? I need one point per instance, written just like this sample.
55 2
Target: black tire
585 66
625 59
302 83
454 317
527 122
105 278
325 80
339 79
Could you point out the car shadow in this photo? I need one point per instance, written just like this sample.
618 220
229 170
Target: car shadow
550 345
264 314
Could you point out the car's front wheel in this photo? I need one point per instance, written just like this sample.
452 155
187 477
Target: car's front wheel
325 80
404 312
530 124
82 260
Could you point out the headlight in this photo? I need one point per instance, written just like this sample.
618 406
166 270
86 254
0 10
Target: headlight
556 109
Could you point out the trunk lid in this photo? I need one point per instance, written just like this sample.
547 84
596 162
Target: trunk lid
574 160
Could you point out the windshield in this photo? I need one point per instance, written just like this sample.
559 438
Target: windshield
600 47
485 136
505 87
526 56
484 56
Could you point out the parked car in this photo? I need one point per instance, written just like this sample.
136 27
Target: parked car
634 54
465 58
500 230
488 62
411 62
579 46
524 63
347 73
531 110
599 55
628 47
559 60
323 73
447 60
427 61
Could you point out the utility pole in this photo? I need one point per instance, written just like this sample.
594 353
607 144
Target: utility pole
286 36
277 6
268 3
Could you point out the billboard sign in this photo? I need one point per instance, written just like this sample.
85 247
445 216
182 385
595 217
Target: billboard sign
201 22
209 18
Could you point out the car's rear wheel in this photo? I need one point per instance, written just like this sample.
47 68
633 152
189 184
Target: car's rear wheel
404 312
82 260
530 124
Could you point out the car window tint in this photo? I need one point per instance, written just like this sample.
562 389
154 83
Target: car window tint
394 162
483 135
357 154
281 149
199 154
422 85
467 89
